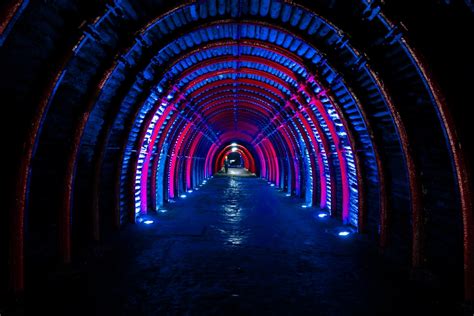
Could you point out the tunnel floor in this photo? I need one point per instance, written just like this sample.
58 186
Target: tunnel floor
237 246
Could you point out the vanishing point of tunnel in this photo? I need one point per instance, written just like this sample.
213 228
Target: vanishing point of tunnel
236 157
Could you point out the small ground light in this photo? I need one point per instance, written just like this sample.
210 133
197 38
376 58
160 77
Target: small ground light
182 196
272 185
190 191
288 194
344 233
163 210
148 222
304 206
322 215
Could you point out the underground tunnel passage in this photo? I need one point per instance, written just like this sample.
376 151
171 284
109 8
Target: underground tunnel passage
247 157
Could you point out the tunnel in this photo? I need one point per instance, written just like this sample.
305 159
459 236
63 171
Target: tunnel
343 124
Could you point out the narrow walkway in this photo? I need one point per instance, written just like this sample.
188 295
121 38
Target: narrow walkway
235 247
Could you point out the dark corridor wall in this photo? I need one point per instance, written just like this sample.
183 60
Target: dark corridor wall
38 39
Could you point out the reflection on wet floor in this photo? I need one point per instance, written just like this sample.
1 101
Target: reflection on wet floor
240 172
236 247
232 215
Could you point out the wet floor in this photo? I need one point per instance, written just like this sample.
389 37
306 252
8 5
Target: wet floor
236 246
